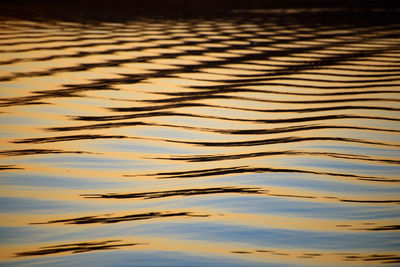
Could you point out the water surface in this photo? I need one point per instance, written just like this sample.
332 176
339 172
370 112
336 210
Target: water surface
246 140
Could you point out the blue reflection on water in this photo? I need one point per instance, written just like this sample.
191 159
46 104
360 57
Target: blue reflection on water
366 168
219 233
33 206
86 162
11 119
292 207
362 150
310 182
137 146
64 182
149 258
273 237
10 235
76 159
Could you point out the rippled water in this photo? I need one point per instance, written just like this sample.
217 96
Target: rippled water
237 141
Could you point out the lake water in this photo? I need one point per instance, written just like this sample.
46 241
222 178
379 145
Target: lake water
257 139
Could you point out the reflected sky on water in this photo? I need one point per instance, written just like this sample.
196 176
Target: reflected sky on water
265 137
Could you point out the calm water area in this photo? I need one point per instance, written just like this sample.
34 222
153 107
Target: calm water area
261 138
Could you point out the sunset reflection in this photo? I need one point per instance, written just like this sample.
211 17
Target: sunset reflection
199 134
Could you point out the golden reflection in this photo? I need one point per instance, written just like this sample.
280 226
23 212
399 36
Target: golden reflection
184 136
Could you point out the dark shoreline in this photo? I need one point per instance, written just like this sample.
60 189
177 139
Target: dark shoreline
341 11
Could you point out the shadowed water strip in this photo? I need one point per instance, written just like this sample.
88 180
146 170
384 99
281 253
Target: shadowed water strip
222 131
299 110
132 217
241 90
77 248
216 96
25 152
384 228
9 167
248 169
215 144
40 140
220 157
282 140
172 113
181 192
223 190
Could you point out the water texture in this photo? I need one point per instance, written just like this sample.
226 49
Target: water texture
255 139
